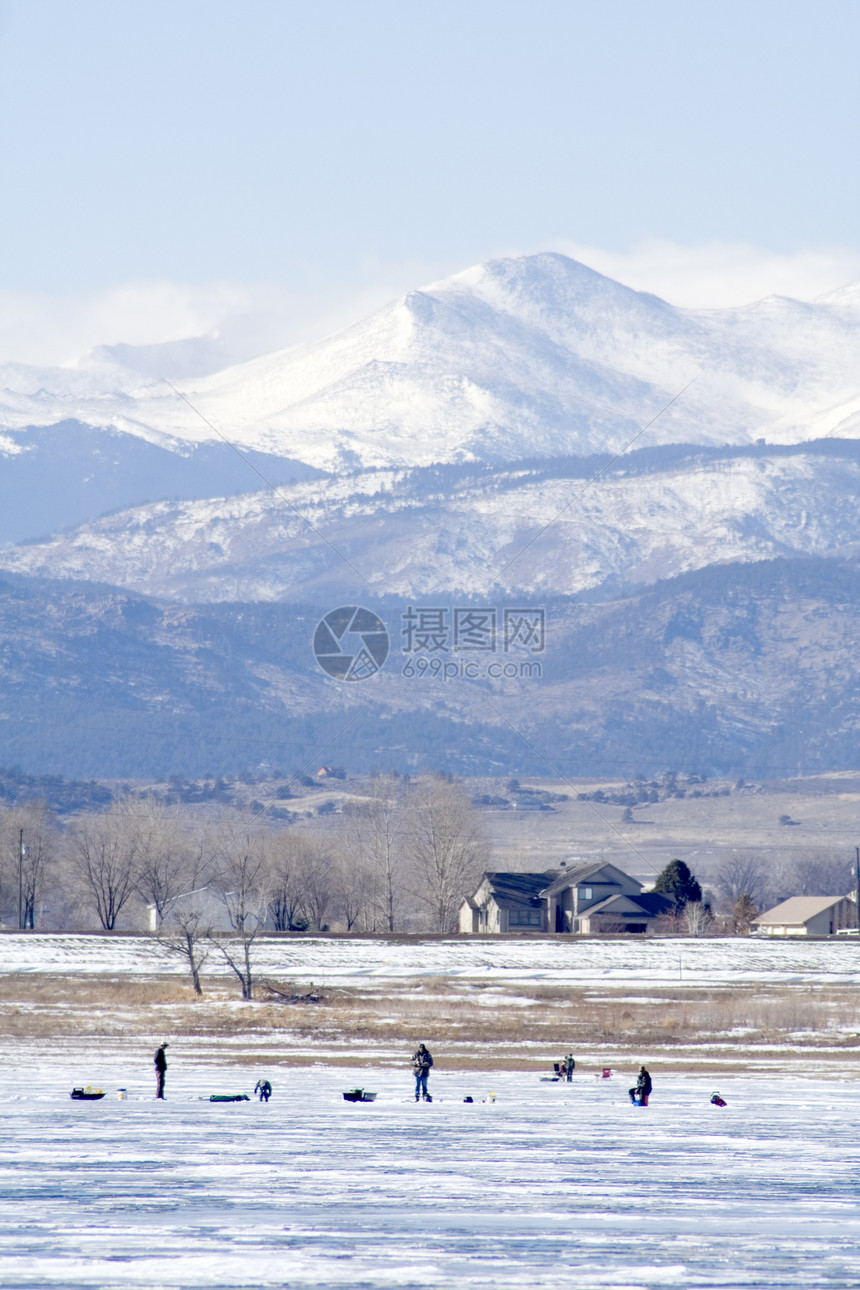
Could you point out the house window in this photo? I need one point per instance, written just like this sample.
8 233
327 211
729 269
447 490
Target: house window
524 918
587 893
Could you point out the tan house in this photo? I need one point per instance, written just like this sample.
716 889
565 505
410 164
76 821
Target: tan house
585 899
808 916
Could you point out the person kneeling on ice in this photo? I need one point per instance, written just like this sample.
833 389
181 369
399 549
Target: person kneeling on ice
421 1063
641 1090
264 1089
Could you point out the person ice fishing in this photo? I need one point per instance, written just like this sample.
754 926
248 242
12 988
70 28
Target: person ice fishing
422 1060
160 1061
641 1090
264 1089
569 1067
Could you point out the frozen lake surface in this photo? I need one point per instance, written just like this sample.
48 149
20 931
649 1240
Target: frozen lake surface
549 1185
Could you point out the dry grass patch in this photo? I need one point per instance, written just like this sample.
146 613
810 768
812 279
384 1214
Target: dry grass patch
499 1026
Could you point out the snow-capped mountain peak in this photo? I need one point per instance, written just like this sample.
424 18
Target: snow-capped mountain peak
509 360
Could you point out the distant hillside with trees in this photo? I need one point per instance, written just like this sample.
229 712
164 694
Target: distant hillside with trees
734 670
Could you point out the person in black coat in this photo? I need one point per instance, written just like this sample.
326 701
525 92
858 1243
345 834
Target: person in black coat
421 1063
641 1090
160 1061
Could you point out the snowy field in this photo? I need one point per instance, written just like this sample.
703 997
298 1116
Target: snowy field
699 962
549 1185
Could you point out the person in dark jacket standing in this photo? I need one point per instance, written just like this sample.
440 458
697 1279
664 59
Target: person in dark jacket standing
569 1067
160 1061
641 1090
422 1060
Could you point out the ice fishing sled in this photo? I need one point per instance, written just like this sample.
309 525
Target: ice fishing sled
86 1094
228 1097
359 1095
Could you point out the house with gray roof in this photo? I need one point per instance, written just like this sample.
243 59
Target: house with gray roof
583 899
507 902
808 916
595 898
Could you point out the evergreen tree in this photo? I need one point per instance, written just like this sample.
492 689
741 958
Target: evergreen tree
677 882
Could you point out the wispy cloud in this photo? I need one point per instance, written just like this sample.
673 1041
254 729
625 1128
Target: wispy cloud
718 275
253 319
38 328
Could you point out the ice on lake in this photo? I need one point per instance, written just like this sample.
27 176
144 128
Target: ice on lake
549 1185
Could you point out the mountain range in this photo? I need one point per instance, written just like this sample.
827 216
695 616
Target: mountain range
550 528
525 432
739 670
516 359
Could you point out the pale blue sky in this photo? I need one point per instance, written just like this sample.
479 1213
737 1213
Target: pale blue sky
330 148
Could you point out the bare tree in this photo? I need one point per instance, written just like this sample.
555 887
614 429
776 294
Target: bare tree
291 856
741 874
171 861
28 844
744 911
301 886
821 873
319 885
447 849
189 937
353 889
373 834
104 857
697 917
243 879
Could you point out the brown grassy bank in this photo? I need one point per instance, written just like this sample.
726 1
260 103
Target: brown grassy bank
470 1026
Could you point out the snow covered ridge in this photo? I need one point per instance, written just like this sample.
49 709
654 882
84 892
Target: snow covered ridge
412 535
536 355
692 962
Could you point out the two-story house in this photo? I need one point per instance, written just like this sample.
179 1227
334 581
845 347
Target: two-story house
507 902
600 897
583 899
